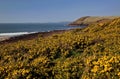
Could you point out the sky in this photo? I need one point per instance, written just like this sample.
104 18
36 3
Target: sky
43 11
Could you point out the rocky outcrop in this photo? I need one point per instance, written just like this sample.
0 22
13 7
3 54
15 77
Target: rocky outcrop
84 21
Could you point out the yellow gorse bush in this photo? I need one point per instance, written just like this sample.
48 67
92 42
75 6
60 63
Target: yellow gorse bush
89 53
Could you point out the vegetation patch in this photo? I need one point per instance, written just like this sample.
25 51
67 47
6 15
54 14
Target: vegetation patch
89 53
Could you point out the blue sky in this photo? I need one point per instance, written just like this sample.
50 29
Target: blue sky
21 11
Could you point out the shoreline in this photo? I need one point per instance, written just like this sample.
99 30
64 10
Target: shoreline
7 39
2 38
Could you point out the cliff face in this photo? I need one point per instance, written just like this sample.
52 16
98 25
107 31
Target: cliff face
92 19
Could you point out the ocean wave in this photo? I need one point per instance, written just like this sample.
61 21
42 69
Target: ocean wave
16 33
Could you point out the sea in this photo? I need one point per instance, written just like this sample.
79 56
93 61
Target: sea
13 29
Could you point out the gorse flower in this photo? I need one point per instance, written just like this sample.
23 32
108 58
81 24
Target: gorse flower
89 53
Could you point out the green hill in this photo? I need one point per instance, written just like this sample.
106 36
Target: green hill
87 20
89 53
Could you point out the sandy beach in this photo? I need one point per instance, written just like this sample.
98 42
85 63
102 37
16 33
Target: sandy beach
2 38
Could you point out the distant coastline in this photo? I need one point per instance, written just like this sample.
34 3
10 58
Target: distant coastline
28 31
83 22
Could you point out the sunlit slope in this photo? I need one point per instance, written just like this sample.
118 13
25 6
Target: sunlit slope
89 53
87 20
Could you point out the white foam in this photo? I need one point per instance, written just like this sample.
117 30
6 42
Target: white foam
15 34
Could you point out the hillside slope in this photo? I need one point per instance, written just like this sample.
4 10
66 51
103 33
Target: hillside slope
89 53
87 20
